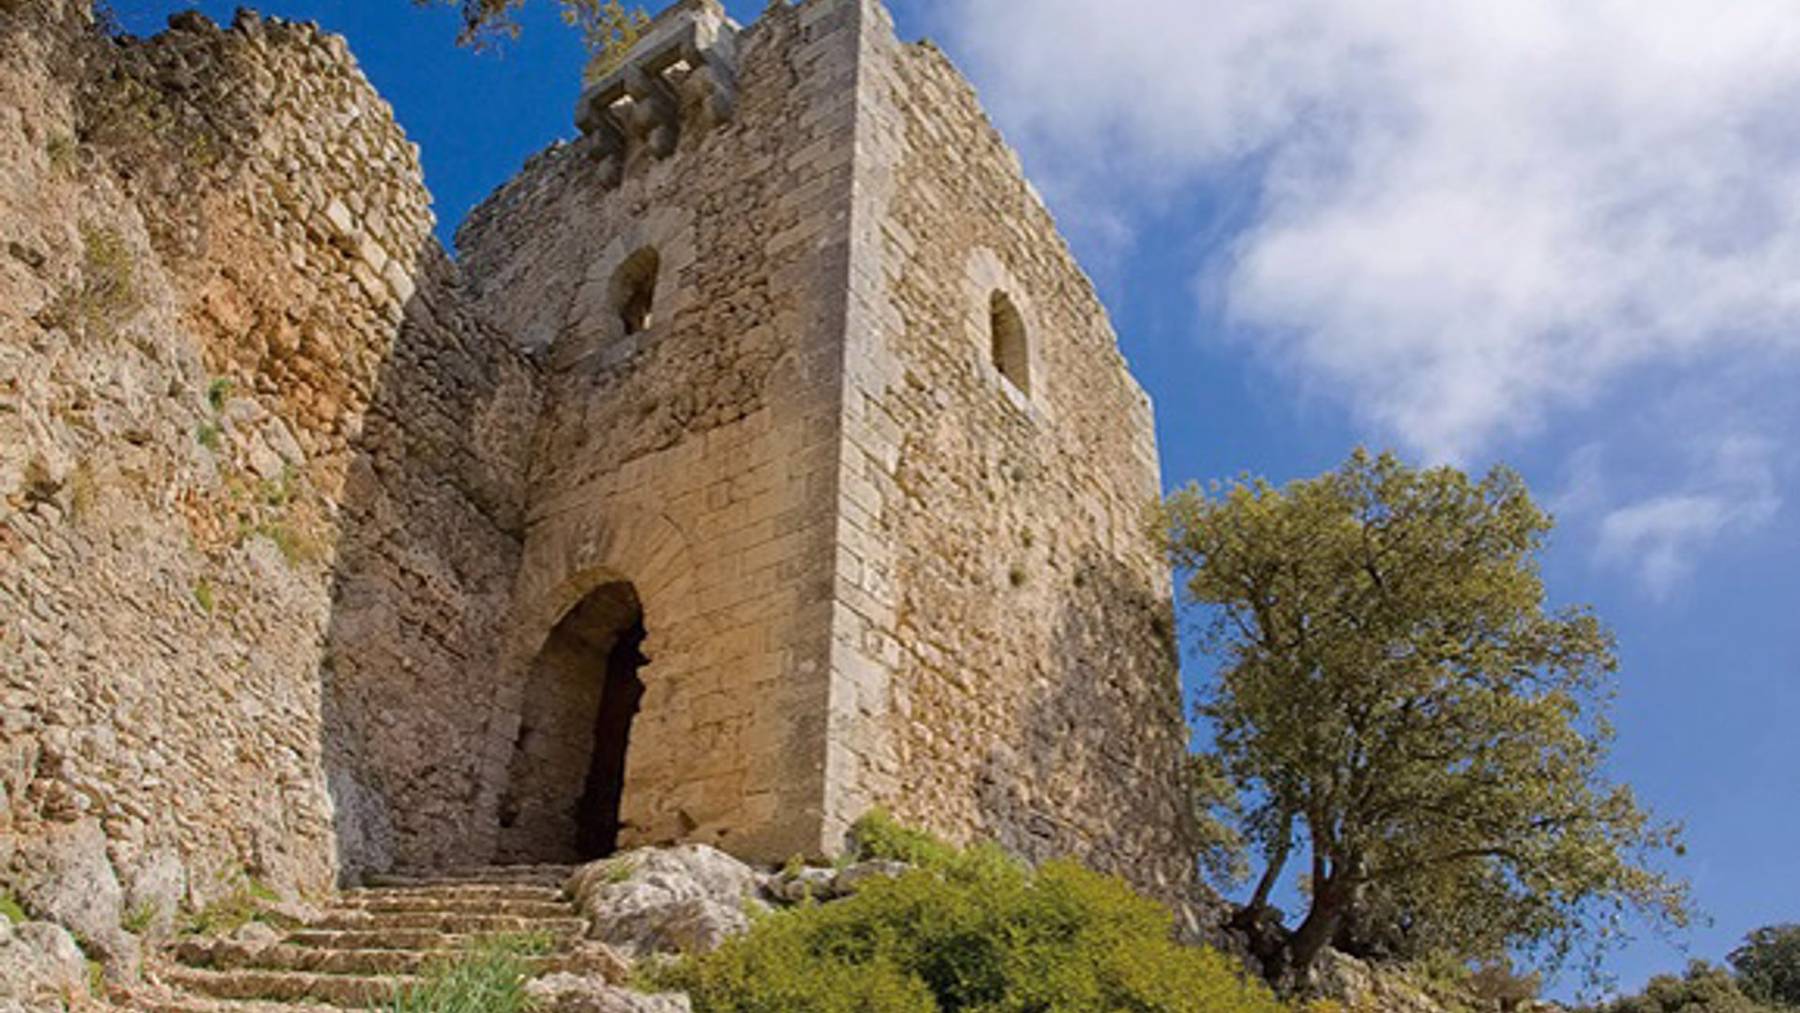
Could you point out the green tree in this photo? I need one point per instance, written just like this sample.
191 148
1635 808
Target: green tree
1395 698
1704 989
1768 965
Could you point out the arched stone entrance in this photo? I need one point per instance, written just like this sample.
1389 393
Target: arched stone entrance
566 778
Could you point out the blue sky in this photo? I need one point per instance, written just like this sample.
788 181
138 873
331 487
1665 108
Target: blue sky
1562 236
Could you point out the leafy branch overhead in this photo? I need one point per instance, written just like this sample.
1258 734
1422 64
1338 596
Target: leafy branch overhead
607 28
1397 703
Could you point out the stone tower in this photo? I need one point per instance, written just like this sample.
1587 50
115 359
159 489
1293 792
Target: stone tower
831 411
765 457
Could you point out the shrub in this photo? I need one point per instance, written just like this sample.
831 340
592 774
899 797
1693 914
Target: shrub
878 836
10 909
972 931
489 979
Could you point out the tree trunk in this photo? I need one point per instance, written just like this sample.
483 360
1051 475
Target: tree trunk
1330 901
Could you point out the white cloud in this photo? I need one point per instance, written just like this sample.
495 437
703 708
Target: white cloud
1472 215
1659 537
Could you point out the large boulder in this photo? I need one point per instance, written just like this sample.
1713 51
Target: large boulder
568 993
686 899
40 966
63 875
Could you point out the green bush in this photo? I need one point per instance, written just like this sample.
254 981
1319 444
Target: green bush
10 909
879 836
972 931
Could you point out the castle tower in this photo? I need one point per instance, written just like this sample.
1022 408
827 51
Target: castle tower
837 496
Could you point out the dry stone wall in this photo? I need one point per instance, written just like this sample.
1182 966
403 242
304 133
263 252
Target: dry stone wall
255 493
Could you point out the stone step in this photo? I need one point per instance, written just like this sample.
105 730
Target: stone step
341 990
460 891
403 904
430 940
555 875
454 922
196 1004
285 957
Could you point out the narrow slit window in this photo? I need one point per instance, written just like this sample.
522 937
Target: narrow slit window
634 291
1011 350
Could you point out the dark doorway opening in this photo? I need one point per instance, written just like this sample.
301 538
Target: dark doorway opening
597 814
566 782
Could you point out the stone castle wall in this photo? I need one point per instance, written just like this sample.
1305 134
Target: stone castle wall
696 459
314 544
996 569
250 510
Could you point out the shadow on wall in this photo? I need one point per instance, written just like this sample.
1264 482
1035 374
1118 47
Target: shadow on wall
430 525
1114 646
446 741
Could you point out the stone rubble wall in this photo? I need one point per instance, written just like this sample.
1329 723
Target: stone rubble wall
1004 657
257 502
696 459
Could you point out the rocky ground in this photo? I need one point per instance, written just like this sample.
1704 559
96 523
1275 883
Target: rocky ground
589 926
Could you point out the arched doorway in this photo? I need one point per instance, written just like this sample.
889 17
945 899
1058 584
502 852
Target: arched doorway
566 779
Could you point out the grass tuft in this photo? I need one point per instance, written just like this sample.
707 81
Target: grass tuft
107 293
489 979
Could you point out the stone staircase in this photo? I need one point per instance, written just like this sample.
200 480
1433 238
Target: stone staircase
376 940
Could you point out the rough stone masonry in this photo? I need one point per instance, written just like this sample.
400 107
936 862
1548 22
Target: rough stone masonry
764 457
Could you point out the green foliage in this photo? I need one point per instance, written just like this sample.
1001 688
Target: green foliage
297 547
973 931
96 977
489 979
608 29
204 596
1392 685
10 909
1768 965
538 943
878 836
210 436
1217 812
1704 989
618 870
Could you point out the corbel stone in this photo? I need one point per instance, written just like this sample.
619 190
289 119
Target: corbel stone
637 104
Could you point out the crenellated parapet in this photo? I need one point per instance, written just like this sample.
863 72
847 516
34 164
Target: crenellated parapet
682 74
